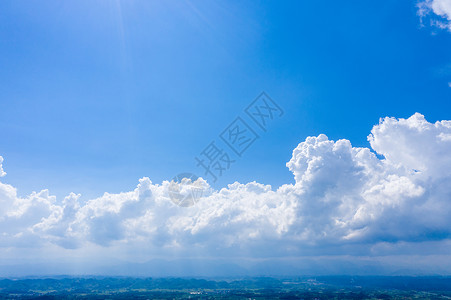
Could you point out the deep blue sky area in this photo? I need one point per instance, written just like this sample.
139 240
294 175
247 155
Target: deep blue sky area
97 94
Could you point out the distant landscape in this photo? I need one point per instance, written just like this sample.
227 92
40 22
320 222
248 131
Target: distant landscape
322 287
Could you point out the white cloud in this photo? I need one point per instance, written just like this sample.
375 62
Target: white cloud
2 173
441 10
345 201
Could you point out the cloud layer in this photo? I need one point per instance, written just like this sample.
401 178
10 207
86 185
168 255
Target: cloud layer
2 173
439 12
345 201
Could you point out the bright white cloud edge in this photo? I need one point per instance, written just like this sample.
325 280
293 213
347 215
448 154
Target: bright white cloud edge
437 11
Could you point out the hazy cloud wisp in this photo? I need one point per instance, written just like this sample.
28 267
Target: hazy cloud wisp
438 11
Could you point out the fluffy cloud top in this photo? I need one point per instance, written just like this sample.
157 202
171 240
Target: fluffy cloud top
345 200
440 8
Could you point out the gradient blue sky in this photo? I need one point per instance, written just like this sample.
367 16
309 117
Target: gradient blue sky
96 94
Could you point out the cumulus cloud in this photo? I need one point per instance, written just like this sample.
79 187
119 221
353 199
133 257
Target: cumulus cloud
345 201
437 11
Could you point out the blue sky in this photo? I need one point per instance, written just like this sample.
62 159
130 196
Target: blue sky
119 96
97 94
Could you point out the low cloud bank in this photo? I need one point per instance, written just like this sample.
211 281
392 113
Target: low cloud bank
346 201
